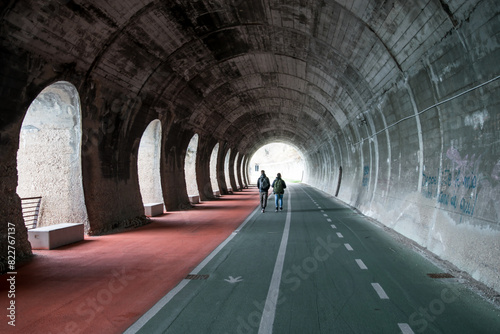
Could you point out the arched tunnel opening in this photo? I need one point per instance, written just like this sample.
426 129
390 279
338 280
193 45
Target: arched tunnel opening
393 108
277 158
190 167
148 164
48 159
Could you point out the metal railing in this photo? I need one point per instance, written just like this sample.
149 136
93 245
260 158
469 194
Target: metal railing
31 209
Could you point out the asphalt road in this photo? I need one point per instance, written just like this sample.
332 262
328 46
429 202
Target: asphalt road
317 267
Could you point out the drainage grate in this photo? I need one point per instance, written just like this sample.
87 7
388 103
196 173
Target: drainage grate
440 275
197 276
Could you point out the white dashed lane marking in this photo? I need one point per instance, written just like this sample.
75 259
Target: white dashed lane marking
381 293
361 264
405 329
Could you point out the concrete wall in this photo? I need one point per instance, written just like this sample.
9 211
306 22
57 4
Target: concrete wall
424 158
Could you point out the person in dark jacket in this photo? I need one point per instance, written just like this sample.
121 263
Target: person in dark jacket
279 186
263 184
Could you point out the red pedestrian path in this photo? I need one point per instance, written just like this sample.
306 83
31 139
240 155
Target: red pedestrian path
105 283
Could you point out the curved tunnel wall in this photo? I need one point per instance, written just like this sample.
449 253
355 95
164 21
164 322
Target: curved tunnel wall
425 162
362 86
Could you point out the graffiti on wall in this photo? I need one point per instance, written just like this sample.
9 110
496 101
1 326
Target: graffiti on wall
457 183
366 176
461 184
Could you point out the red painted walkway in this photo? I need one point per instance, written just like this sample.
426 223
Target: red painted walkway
103 284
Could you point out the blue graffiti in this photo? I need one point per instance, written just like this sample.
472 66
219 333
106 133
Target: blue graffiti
443 198
453 201
470 182
428 180
451 181
467 207
366 177
446 177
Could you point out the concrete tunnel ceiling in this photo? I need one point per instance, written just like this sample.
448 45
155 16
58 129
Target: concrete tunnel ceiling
397 101
229 67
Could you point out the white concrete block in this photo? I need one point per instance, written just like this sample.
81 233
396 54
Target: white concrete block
194 199
153 209
50 237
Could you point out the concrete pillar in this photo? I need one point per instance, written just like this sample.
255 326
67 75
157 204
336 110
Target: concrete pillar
12 223
109 160
175 143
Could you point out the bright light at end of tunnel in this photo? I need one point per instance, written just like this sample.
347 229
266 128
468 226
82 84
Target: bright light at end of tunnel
277 158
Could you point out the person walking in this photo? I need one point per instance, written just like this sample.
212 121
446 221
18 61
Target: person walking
263 185
279 186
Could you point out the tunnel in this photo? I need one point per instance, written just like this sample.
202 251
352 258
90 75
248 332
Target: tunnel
394 106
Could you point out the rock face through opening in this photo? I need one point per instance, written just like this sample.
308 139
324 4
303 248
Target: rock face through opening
403 95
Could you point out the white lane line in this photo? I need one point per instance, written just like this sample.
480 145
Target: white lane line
339 235
319 207
136 326
381 293
325 215
322 210
349 248
405 329
361 264
328 220
333 226
269 312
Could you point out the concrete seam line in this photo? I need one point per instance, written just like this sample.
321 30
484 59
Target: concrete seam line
136 326
269 311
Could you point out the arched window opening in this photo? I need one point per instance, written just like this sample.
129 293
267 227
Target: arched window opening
190 168
226 170
277 158
243 171
49 157
236 171
213 170
148 165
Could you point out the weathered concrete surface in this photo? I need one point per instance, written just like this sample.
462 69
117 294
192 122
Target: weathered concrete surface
203 168
403 95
